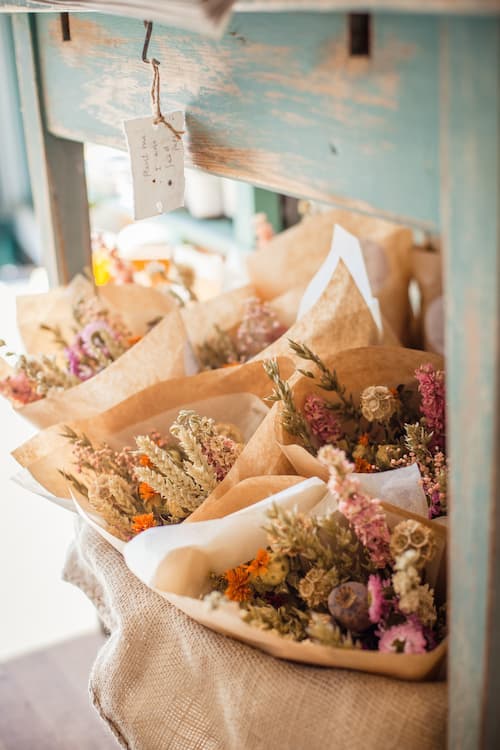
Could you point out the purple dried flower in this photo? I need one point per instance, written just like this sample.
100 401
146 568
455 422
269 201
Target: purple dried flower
431 386
322 421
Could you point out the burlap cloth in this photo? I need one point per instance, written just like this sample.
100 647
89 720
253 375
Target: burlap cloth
164 682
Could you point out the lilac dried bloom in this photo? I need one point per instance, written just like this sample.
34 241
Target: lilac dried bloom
431 386
323 423
258 329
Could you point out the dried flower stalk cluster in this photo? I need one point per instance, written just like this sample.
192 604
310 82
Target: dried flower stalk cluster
159 481
259 327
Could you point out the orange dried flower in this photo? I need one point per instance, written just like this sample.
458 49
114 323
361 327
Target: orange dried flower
145 461
258 566
143 522
394 392
133 340
237 584
146 492
364 439
362 466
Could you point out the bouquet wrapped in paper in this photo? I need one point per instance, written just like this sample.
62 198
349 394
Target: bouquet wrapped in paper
155 457
87 352
335 310
325 575
384 406
294 257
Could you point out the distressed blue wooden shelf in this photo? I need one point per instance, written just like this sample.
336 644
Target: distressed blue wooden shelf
346 126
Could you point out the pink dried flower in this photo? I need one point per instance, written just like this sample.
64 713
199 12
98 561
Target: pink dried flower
378 605
76 361
92 330
258 329
407 638
431 386
19 389
365 514
221 453
322 421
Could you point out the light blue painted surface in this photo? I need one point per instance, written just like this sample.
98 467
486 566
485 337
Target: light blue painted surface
471 201
277 102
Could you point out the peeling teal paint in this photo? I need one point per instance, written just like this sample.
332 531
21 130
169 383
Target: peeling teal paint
278 95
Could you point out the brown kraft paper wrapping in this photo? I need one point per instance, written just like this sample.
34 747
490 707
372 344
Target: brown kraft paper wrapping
292 258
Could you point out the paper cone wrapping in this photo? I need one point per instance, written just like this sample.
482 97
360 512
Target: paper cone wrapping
292 258
356 369
136 305
161 354
340 319
233 395
177 566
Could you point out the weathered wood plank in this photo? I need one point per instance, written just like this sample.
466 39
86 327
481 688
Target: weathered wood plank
470 193
278 102
473 7
56 171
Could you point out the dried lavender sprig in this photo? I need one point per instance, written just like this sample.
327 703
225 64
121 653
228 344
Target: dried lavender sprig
292 420
56 333
328 380
79 486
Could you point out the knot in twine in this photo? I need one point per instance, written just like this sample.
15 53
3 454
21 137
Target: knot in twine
155 101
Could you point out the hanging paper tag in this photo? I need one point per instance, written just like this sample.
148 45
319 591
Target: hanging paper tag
157 161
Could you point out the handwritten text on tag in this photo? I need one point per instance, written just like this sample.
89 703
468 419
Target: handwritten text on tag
157 161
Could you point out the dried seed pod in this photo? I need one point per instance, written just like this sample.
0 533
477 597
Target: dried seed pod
348 605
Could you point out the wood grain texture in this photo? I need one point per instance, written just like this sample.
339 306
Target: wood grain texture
45 703
473 7
470 204
56 171
277 102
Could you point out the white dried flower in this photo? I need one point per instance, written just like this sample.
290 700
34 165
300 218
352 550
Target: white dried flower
378 403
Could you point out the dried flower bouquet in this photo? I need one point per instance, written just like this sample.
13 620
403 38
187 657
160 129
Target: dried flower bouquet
384 407
161 480
92 455
323 575
87 352
99 338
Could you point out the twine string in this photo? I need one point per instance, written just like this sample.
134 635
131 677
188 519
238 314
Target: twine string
155 101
